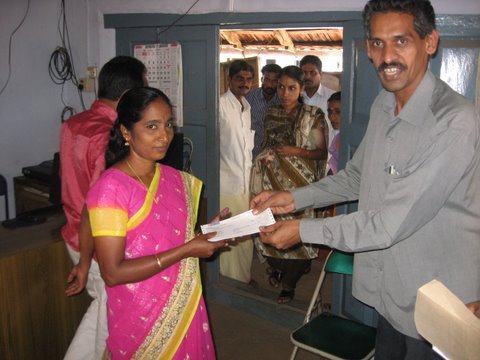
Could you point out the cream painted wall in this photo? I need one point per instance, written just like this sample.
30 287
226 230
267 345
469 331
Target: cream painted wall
30 106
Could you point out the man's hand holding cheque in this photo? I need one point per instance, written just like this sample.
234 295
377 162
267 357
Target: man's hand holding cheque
282 234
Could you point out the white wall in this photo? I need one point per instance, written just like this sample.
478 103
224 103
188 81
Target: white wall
30 106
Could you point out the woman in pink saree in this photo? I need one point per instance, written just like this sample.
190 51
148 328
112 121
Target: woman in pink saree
142 216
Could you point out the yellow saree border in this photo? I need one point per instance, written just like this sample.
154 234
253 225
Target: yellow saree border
184 323
193 193
170 328
144 211
109 218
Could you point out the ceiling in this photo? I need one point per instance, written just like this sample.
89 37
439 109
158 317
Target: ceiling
291 40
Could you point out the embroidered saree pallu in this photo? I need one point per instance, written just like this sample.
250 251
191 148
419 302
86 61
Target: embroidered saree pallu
164 316
271 171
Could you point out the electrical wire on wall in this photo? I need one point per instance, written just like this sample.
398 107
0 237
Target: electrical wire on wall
176 20
10 48
60 67
67 113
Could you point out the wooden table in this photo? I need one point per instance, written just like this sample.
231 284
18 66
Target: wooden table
37 320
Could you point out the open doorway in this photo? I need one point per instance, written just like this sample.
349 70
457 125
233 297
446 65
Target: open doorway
282 46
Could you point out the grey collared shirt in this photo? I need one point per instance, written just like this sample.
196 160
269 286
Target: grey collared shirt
417 179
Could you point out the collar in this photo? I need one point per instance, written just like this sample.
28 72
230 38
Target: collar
418 106
258 93
100 107
319 92
233 99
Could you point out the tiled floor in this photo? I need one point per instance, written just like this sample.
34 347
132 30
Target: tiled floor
242 336
239 335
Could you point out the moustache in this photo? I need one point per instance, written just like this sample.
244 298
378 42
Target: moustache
269 90
244 87
384 66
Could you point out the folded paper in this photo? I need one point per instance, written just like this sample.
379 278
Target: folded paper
240 225
444 320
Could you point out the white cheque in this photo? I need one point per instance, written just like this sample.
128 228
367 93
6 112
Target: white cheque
240 225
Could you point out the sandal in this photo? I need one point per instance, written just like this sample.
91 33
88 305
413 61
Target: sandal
286 296
275 278
253 283
307 269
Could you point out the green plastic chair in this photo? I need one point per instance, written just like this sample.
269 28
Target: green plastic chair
331 336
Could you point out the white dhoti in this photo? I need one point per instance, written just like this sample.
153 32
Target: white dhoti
89 342
236 261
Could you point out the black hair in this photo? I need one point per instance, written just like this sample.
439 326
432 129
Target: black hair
130 110
271 68
239 65
337 96
312 59
421 10
295 73
118 75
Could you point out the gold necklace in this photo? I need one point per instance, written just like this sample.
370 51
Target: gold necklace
140 179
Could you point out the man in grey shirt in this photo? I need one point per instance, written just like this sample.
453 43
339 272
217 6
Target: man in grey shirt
416 176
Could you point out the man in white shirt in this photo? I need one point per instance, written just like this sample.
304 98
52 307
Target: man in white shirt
315 93
236 144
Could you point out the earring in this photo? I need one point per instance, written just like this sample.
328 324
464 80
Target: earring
126 143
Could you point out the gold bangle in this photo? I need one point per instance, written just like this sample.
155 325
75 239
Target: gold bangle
159 262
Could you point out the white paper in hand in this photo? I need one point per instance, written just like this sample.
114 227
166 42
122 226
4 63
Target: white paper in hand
240 225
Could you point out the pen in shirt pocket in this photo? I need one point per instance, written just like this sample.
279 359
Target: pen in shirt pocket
390 169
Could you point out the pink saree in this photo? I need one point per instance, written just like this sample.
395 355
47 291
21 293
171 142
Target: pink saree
163 317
